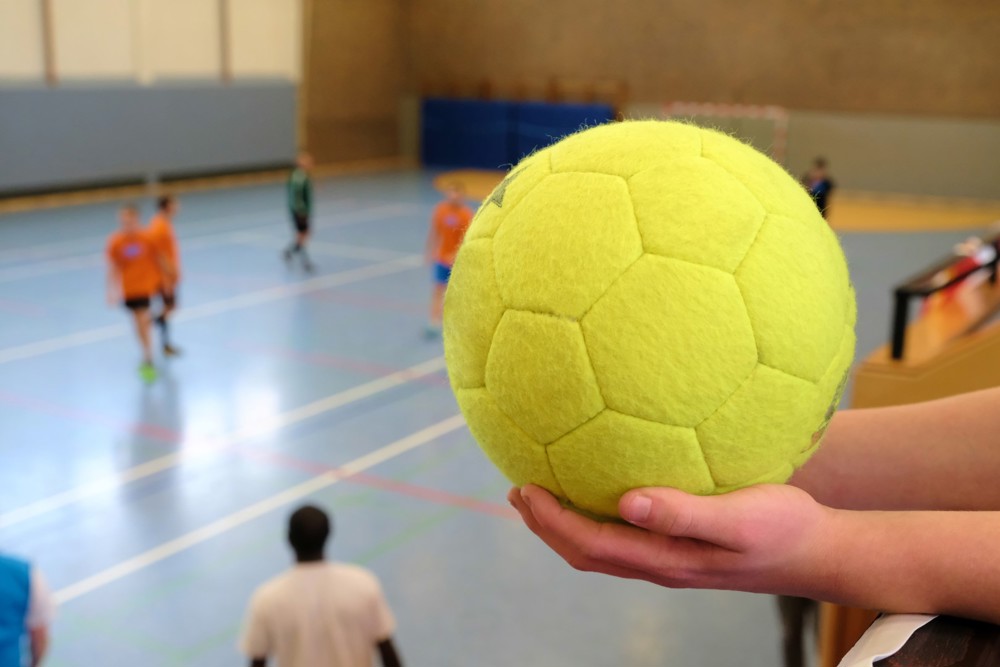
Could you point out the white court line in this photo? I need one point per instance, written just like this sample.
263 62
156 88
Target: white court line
276 218
324 247
239 234
279 421
258 509
267 295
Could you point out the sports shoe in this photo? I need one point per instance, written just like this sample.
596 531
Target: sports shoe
309 267
171 351
148 373
287 254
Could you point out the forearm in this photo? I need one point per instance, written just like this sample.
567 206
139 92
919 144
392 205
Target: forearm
938 455
39 645
915 562
387 651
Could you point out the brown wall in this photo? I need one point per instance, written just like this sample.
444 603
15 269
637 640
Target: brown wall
353 77
937 57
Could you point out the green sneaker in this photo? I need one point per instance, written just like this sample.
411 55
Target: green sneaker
148 373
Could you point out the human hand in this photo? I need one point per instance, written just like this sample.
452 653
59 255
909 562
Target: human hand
765 539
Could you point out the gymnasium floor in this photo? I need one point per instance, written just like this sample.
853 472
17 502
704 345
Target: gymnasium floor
155 511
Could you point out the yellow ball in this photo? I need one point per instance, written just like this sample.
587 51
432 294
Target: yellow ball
648 304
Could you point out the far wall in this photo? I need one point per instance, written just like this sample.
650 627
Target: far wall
60 137
888 153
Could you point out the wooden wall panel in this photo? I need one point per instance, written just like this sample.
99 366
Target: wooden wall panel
354 72
901 56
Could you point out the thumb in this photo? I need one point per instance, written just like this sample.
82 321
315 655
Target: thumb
715 519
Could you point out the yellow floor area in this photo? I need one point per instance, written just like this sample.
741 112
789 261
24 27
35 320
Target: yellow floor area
849 211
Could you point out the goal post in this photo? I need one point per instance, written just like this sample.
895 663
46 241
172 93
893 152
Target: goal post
765 127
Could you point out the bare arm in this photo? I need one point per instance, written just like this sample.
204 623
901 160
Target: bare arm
39 644
387 651
941 455
937 455
432 241
776 539
114 286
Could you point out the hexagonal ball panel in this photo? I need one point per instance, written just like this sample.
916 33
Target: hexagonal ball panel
505 197
612 453
670 341
625 148
521 459
774 187
695 210
472 309
795 284
539 374
566 242
762 428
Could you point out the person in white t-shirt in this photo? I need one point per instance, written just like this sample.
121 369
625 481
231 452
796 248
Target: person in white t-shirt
320 613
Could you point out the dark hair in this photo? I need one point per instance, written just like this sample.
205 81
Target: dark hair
163 202
820 162
308 529
130 207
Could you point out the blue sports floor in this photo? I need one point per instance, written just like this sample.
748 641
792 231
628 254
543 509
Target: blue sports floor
155 511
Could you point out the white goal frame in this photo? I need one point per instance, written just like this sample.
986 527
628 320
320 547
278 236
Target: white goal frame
777 115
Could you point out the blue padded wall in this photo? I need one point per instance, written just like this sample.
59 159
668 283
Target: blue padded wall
496 134
540 124
467 133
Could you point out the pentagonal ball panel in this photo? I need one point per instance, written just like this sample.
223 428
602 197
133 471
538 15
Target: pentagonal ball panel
519 458
830 389
670 341
693 209
613 453
795 284
565 243
472 309
539 373
517 183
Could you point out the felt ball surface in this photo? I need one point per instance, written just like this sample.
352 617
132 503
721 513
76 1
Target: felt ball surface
648 303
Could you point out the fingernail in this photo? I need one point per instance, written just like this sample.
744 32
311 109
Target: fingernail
525 498
637 509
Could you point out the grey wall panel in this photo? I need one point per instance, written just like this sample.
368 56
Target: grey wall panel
919 155
61 136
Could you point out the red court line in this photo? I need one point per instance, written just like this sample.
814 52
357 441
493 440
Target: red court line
369 301
228 279
151 431
383 483
15 307
165 435
332 361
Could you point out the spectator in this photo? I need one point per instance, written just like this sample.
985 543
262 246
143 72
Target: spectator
819 184
26 611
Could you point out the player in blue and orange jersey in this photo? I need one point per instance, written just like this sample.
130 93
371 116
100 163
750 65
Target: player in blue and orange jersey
135 274
449 223
161 233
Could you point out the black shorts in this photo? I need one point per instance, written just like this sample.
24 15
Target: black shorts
301 222
137 303
169 298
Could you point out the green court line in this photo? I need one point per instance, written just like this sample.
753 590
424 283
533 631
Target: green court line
109 623
408 534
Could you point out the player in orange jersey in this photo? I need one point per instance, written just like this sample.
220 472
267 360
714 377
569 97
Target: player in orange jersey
449 223
161 233
135 270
